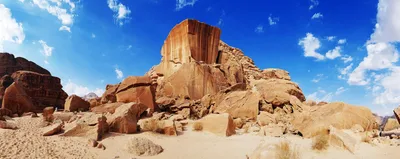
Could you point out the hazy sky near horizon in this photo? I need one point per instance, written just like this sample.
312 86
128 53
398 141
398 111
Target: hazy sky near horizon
336 50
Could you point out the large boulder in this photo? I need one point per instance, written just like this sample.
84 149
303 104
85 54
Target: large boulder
139 146
342 139
278 91
109 95
76 103
137 89
219 124
16 100
239 104
53 129
125 118
337 114
44 90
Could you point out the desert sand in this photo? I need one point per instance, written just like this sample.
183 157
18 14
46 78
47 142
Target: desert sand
28 142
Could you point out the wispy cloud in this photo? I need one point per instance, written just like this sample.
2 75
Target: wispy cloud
121 12
317 16
259 29
47 51
180 4
273 20
10 29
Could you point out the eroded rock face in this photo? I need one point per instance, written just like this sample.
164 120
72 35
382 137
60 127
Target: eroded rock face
239 104
189 41
43 89
9 64
397 113
17 100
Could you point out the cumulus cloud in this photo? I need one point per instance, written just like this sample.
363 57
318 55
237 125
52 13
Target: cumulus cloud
344 72
47 51
317 16
10 29
310 44
342 41
335 53
380 56
73 88
272 20
387 28
314 3
62 9
119 73
180 4
121 12
259 29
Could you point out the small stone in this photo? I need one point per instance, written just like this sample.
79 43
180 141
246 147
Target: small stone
101 146
93 143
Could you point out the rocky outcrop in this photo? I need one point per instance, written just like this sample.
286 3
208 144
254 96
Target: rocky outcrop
339 115
43 89
187 42
76 103
109 95
17 100
9 64
391 124
239 104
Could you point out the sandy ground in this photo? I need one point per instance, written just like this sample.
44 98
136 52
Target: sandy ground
27 142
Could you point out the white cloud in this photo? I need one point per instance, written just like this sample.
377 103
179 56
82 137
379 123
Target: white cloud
332 54
220 22
183 3
347 58
93 35
317 16
129 47
314 3
47 51
259 29
344 72
121 12
340 90
119 73
272 20
72 88
10 29
318 78
390 83
58 8
310 44
342 41
331 38
65 28
380 56
387 28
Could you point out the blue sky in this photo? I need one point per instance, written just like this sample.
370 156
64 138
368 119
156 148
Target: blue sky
336 50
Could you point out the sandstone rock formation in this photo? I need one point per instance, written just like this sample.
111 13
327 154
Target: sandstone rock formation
17 100
391 124
44 90
397 113
53 129
76 103
339 115
9 64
